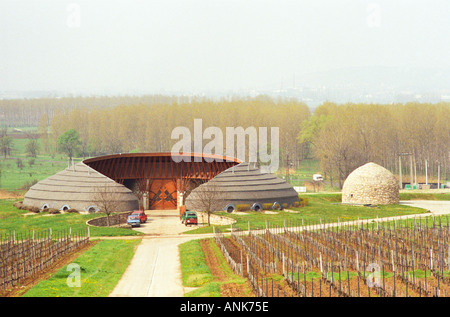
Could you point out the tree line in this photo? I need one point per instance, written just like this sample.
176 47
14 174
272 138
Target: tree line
341 137
148 128
29 112
344 137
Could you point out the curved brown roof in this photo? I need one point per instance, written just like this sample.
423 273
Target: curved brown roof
74 186
165 165
185 156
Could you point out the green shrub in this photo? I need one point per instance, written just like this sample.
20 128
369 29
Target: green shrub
31 162
19 163
27 185
267 206
303 202
53 211
243 207
18 204
33 209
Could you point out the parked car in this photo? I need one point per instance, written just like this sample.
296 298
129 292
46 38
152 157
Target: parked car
133 220
189 218
141 214
317 177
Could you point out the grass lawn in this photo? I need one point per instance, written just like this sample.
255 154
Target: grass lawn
101 267
424 196
14 178
197 274
304 172
323 208
13 219
193 265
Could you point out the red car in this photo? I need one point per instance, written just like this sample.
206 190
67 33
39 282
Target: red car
141 214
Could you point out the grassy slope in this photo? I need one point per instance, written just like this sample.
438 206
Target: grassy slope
13 178
196 272
424 196
12 218
321 207
193 265
101 267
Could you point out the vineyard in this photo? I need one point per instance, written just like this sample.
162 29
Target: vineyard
26 255
358 259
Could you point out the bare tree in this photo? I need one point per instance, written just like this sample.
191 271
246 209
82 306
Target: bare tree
6 142
208 198
106 199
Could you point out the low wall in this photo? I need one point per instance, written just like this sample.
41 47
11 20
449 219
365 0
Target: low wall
214 219
114 220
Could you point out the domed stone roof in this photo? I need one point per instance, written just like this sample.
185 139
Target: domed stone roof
370 184
74 188
245 184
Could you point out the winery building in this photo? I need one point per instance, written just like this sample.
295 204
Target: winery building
154 181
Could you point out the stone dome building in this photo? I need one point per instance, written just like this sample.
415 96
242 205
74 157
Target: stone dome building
370 184
245 187
74 188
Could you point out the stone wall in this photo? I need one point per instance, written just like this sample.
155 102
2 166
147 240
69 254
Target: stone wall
374 195
215 220
370 184
114 220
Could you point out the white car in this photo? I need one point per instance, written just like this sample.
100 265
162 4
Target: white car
317 177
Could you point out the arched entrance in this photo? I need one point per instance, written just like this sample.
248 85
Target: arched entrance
163 194
160 179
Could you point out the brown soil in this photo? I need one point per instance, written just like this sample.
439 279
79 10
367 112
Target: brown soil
236 290
281 288
226 289
212 261
4 194
29 282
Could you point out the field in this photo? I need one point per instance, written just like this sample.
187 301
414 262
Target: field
22 222
321 208
305 172
364 259
101 266
24 257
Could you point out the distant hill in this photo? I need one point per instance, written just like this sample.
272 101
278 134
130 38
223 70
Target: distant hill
375 77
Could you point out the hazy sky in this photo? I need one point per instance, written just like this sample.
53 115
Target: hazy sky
129 45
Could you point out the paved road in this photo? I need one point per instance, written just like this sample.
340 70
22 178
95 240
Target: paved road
155 268
437 207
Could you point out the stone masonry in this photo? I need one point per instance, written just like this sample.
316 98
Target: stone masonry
370 184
